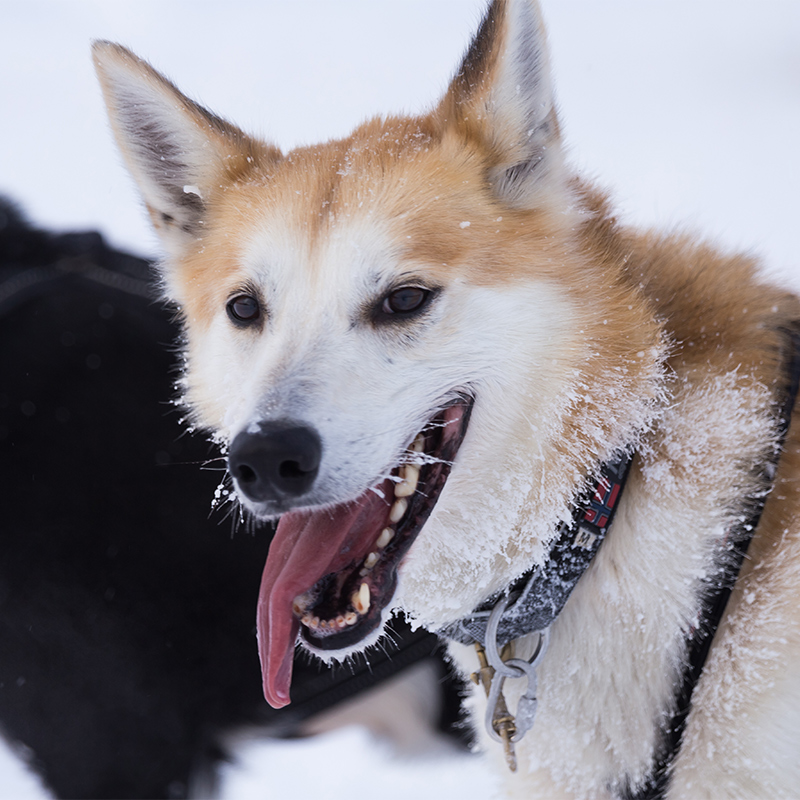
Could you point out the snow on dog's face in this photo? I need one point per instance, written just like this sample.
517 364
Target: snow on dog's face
380 331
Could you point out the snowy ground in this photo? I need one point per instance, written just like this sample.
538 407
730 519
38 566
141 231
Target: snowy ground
689 109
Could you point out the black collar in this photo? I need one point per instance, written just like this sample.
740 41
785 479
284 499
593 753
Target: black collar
539 595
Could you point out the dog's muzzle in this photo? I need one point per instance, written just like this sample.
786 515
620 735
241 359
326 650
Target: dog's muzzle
275 461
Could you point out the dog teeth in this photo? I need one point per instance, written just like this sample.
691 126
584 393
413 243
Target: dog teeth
330 625
387 534
408 485
300 605
360 599
399 507
418 445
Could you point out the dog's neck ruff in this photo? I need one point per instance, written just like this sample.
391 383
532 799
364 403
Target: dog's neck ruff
536 598
532 603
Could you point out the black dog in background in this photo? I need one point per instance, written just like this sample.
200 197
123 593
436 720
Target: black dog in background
127 640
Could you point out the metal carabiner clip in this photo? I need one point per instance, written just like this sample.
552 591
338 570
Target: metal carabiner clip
501 725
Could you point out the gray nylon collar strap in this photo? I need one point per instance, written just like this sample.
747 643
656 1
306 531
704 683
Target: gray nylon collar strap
537 598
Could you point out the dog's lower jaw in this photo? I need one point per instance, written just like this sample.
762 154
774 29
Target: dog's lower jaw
360 648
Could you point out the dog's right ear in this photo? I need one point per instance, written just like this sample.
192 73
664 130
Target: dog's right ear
179 153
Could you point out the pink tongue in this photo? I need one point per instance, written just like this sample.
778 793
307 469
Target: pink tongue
307 546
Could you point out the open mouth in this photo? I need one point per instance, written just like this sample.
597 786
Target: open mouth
331 572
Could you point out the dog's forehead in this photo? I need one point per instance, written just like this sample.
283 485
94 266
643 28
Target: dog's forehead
306 245
370 205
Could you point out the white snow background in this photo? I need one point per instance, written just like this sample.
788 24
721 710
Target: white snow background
689 110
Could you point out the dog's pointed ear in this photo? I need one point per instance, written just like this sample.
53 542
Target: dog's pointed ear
179 153
502 99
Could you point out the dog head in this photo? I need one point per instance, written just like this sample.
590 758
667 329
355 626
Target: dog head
393 335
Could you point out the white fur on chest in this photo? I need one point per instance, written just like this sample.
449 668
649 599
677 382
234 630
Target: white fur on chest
608 680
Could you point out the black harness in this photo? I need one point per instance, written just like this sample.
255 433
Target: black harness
715 598
537 598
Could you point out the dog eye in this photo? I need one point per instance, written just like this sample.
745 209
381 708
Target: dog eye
244 308
405 300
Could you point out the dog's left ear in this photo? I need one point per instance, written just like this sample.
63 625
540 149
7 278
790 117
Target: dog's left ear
502 99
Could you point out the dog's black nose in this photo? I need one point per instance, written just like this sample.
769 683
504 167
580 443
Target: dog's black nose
278 460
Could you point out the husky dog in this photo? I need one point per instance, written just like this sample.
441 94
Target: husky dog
431 350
